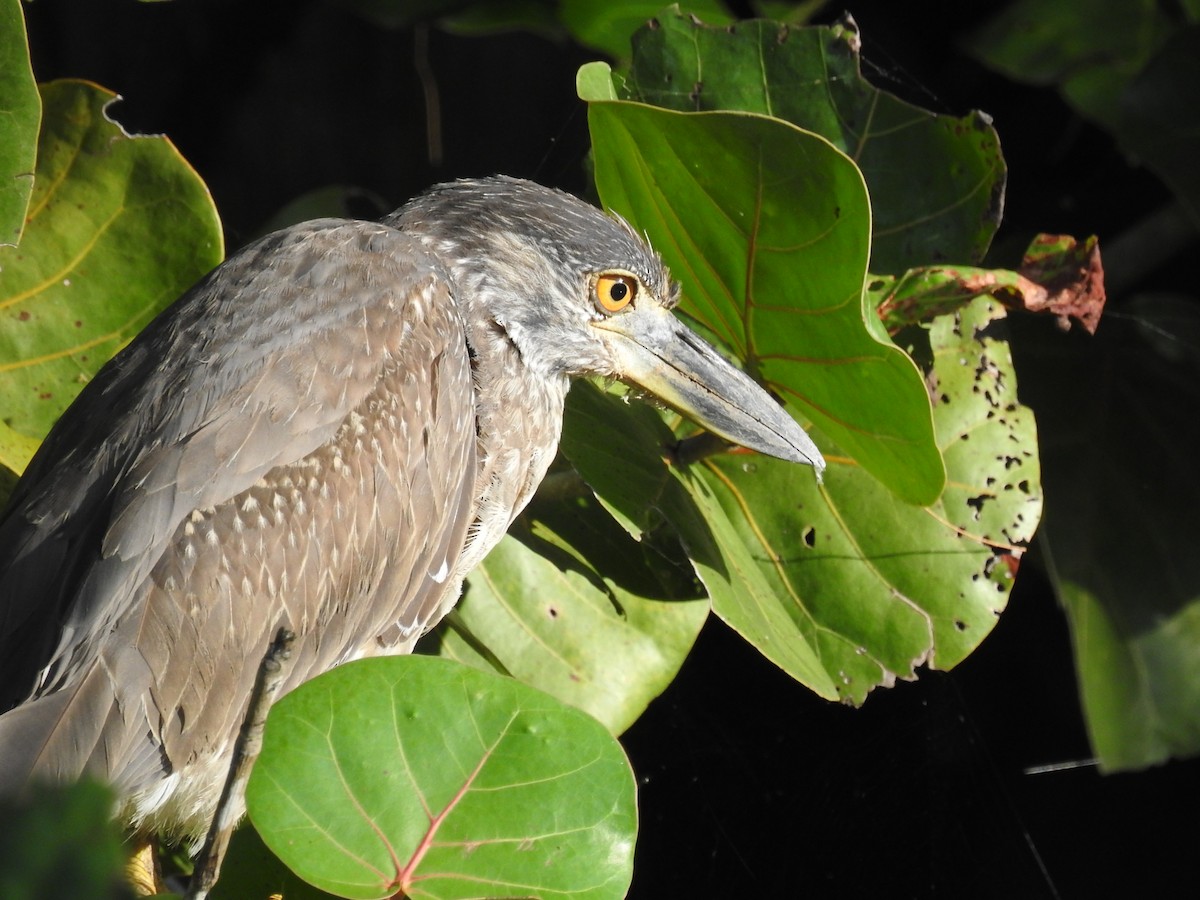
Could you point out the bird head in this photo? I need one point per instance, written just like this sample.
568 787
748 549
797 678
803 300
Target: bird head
578 292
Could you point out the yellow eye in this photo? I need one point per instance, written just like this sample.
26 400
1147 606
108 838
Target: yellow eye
614 292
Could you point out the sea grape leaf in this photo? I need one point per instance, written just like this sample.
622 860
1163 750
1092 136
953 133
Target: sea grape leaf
250 870
936 181
1120 481
1130 67
608 26
1058 275
875 587
768 229
623 443
1089 49
1160 115
572 604
61 838
663 498
118 227
728 564
20 110
418 776
1069 277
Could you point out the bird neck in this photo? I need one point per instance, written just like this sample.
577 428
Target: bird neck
519 417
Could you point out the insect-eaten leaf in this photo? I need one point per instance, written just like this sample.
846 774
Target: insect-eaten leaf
860 585
1058 275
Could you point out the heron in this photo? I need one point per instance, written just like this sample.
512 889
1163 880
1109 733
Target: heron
326 433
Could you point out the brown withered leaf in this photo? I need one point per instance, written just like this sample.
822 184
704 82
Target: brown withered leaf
1065 277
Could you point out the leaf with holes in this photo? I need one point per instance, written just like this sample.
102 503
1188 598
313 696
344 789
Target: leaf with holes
936 181
875 587
1059 275
425 778
767 227
118 227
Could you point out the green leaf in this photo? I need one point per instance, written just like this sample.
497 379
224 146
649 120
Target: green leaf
250 870
608 26
1160 116
1046 42
20 110
574 606
871 586
1059 275
1089 49
767 227
1138 685
1130 66
942 204
602 26
418 775
1123 494
486 17
60 841
16 450
618 448
118 227
742 594
922 294
594 81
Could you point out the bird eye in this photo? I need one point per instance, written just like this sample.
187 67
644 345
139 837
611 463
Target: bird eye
614 292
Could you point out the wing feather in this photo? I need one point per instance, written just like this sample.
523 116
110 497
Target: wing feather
275 405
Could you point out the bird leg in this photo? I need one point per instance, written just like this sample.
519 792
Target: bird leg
271 673
141 871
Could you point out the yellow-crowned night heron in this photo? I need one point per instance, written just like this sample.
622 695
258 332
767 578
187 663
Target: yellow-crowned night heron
326 433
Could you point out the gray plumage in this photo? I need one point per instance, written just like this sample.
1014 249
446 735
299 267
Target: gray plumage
326 433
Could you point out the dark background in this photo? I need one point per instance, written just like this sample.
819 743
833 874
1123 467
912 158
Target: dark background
750 786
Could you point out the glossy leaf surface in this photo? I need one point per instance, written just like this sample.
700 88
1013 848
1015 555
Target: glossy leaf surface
420 775
767 227
1121 486
872 586
20 111
573 605
118 227
942 203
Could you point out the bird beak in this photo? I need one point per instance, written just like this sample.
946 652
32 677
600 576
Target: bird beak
654 351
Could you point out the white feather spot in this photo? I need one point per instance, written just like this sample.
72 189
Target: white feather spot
443 570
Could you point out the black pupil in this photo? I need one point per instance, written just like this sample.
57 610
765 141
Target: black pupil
618 291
